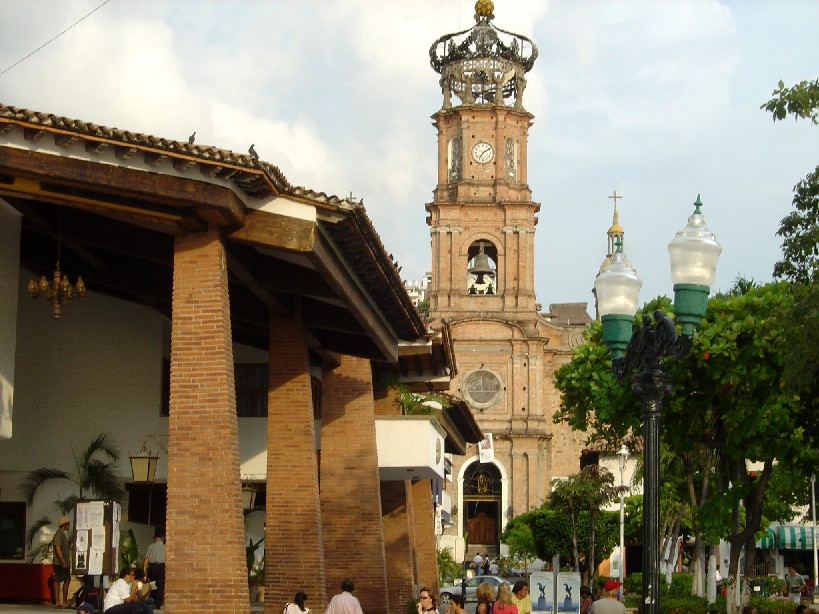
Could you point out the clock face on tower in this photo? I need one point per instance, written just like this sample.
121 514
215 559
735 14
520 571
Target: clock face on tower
482 152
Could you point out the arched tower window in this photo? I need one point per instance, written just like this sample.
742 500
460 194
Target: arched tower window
482 268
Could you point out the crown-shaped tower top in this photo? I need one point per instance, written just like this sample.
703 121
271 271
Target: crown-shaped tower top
483 65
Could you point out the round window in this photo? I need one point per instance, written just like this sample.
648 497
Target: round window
482 389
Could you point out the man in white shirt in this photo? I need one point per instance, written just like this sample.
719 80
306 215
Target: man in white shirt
118 599
478 560
344 602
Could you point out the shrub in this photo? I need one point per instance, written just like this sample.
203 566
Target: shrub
684 605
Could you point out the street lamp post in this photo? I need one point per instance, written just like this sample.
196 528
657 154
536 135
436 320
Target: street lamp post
694 253
622 457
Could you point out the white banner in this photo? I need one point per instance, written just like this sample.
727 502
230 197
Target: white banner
486 449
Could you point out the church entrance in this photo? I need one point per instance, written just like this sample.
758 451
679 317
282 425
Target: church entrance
482 504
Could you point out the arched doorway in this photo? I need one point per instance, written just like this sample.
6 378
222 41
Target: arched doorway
482 488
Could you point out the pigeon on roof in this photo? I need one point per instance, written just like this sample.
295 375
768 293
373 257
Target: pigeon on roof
252 152
192 138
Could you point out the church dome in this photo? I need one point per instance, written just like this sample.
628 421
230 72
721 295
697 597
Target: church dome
484 64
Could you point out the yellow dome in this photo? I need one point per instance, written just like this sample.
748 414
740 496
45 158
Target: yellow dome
616 229
484 8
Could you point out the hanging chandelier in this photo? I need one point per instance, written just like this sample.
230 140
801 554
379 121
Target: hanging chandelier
59 291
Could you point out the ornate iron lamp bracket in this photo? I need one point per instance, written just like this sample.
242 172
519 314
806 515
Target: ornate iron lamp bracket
655 339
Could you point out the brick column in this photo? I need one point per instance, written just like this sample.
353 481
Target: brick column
293 542
350 493
425 551
205 528
396 521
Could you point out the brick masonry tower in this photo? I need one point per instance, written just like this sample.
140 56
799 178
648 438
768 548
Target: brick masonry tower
482 224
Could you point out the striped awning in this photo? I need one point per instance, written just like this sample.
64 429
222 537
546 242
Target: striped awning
767 541
796 537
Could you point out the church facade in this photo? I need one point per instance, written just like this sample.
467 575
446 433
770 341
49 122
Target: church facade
482 223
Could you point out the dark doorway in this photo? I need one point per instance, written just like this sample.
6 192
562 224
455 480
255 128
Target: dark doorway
482 498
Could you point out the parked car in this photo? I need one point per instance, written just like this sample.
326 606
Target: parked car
470 586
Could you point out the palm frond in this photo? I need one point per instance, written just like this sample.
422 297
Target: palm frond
102 481
67 504
34 529
103 443
34 479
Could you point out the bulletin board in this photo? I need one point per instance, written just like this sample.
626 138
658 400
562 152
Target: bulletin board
96 538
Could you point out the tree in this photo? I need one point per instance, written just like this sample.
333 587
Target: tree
801 100
728 405
800 262
521 542
448 568
552 533
589 491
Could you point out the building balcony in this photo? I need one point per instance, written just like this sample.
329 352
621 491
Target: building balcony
409 447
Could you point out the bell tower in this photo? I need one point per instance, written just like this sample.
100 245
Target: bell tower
482 218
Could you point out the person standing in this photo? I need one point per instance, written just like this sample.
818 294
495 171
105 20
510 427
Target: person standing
608 604
61 561
477 560
344 602
154 567
486 564
794 582
426 603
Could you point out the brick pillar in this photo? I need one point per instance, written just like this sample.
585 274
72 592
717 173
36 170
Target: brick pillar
396 521
293 533
205 528
350 493
424 520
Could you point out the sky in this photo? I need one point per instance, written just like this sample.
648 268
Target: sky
656 100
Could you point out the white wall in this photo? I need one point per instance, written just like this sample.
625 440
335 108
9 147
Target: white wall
96 370
9 264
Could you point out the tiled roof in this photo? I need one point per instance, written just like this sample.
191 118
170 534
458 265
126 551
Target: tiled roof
232 162
569 313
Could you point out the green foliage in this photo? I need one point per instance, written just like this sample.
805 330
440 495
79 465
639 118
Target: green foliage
413 403
521 542
448 568
801 100
684 605
680 586
800 258
46 550
800 234
729 402
633 583
552 531
94 474
250 558
128 550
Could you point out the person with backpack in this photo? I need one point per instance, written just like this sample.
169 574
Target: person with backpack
297 605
